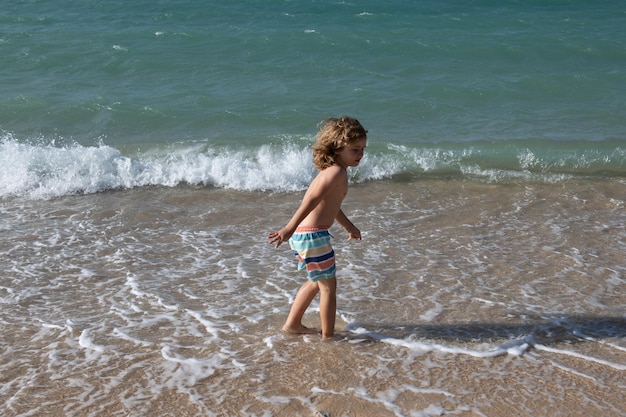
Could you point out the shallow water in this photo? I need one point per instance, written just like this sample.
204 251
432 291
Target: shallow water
462 298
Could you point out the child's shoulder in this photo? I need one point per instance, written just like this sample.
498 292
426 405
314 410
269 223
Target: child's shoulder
334 170
333 173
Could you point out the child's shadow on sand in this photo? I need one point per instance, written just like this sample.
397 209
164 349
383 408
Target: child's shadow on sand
570 329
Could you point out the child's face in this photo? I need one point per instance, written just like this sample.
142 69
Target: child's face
351 155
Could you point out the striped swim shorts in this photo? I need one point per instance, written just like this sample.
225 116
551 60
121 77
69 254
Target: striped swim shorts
311 245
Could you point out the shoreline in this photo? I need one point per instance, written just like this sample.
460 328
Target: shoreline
463 298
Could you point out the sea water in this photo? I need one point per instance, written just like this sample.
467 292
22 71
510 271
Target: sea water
147 148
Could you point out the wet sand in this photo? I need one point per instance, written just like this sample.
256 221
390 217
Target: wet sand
462 299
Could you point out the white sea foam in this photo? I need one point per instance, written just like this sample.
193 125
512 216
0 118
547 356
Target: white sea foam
45 170
512 347
37 171
618 366
86 341
191 369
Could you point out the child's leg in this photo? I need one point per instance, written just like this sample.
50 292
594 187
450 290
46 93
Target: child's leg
328 305
305 295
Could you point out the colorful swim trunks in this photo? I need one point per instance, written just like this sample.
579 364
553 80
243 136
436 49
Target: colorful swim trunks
311 245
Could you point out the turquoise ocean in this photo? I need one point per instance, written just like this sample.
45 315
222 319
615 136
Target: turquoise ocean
105 95
148 147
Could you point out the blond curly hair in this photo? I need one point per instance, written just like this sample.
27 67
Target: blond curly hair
335 134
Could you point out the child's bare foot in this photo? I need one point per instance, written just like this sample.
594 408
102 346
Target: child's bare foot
298 330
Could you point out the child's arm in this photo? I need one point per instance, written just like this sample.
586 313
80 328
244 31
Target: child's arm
353 232
319 188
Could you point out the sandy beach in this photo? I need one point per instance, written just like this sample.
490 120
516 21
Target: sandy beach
462 299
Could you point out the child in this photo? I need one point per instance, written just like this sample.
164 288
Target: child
339 144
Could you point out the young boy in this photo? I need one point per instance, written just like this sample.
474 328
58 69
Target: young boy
339 144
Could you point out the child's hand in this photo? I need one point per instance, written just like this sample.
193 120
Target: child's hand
278 237
354 234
